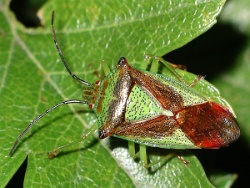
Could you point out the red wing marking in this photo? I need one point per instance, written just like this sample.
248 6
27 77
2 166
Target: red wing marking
209 125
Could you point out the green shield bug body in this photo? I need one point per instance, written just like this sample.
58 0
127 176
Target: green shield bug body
158 111
154 110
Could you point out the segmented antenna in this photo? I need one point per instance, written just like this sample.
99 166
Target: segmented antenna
61 55
39 117
59 104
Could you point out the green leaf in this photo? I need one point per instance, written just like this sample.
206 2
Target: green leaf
33 79
222 180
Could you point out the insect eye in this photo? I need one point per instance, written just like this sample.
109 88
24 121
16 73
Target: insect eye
91 106
97 82
122 61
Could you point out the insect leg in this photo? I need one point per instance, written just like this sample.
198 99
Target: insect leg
154 65
167 157
131 149
197 79
57 150
143 155
142 152
178 66
105 68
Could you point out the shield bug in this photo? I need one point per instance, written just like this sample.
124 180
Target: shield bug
154 110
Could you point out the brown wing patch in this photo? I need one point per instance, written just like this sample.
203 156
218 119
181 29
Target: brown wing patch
167 96
158 127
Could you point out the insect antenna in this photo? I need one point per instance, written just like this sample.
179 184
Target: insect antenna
61 103
61 55
39 117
